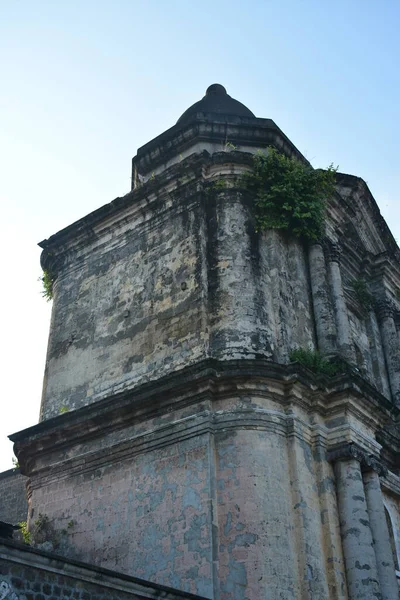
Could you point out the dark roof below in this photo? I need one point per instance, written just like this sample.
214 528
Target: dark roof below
216 101
7 529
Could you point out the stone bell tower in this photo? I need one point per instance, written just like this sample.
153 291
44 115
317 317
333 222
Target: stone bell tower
175 432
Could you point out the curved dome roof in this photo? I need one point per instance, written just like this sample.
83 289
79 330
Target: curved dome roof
216 101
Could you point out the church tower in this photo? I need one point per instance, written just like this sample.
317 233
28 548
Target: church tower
177 435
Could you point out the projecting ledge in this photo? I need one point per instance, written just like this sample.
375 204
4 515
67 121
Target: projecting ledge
205 382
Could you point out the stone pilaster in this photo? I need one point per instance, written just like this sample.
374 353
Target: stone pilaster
380 534
306 528
331 539
379 369
324 320
358 549
339 303
391 346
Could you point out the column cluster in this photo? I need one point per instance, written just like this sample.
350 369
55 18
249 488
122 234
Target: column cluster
324 320
391 345
369 563
330 310
332 319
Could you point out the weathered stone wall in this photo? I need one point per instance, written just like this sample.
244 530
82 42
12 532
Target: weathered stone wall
254 512
13 501
181 274
129 309
27 574
148 515
259 295
286 294
184 276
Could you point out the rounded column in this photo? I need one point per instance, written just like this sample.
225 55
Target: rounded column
380 534
324 322
339 303
391 346
358 545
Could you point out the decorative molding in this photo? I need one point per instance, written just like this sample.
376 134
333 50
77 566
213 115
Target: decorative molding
198 387
370 463
384 309
346 452
351 451
333 251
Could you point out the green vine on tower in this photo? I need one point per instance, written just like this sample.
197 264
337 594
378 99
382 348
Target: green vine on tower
289 195
47 282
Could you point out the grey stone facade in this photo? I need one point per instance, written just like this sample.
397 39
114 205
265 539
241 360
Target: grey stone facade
176 436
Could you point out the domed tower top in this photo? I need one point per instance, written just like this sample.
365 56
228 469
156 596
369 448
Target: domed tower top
216 101
206 126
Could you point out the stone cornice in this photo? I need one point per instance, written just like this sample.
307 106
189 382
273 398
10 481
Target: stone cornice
389 437
382 264
358 186
89 456
175 189
208 380
240 131
85 232
391 483
197 425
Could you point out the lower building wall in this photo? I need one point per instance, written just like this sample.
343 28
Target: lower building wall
148 516
13 502
226 506
232 497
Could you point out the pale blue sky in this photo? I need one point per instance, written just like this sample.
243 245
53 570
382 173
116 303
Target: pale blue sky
85 83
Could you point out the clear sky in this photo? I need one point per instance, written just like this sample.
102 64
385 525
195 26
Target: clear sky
84 83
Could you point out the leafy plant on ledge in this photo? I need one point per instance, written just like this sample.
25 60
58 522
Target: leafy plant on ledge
26 536
289 195
312 360
47 282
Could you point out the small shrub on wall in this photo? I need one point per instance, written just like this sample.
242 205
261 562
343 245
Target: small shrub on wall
47 282
312 360
289 195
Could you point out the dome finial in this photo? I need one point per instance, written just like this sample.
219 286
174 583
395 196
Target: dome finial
216 89
216 104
